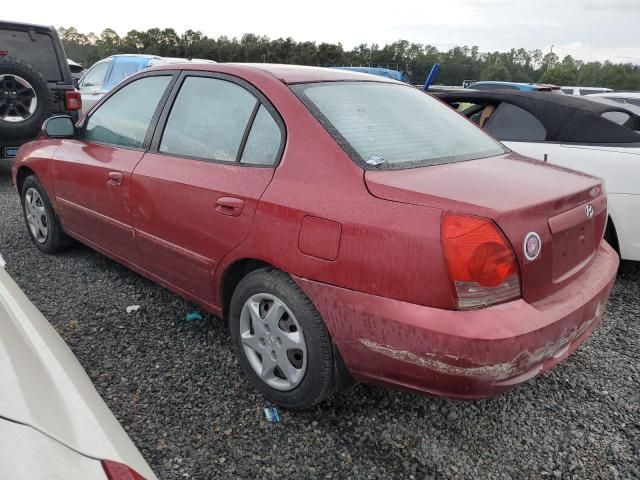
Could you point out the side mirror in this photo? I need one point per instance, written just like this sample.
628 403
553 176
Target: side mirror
59 126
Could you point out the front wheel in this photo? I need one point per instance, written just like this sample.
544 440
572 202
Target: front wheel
42 222
281 341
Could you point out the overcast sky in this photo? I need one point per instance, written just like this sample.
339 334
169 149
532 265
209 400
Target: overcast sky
586 29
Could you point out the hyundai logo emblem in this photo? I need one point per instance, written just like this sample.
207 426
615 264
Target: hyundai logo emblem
532 246
588 210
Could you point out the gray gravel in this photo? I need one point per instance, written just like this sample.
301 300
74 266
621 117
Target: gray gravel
176 388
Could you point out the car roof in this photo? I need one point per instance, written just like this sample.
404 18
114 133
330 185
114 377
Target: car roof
617 95
588 88
567 118
520 85
25 26
289 74
132 55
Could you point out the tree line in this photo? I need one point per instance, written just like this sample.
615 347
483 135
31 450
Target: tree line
456 64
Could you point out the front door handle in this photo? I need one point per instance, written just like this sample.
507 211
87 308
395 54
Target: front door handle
115 179
229 206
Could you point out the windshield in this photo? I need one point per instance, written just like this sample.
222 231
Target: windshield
391 126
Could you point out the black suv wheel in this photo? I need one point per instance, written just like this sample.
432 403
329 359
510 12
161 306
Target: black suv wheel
25 100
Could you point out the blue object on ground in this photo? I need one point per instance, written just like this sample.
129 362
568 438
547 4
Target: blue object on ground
193 316
271 414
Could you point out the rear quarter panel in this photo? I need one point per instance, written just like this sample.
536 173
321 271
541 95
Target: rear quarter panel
385 248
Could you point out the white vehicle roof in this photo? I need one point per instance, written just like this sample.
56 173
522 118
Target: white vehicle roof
599 89
617 95
172 60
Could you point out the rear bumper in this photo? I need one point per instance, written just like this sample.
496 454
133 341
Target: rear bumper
465 355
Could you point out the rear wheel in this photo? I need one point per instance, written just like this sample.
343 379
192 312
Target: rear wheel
281 341
42 222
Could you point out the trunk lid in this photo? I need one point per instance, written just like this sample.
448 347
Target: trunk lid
522 196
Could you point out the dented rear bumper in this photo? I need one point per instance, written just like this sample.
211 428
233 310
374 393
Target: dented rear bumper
468 355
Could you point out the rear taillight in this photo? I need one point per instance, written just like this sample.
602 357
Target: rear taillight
120 471
72 100
482 266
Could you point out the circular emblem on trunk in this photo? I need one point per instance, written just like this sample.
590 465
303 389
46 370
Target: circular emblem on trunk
588 210
532 246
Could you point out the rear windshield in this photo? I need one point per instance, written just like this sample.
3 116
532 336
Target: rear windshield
391 126
39 52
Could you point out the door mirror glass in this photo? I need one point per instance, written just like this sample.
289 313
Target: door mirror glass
60 126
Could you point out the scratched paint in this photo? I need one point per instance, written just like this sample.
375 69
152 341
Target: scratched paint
523 362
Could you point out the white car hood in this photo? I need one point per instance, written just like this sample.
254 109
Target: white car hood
43 385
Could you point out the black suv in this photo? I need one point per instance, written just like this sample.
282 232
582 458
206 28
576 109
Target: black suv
35 83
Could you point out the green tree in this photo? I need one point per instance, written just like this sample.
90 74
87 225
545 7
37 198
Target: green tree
495 71
457 64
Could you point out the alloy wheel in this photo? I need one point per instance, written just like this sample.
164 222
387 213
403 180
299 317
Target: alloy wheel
273 341
36 215
18 99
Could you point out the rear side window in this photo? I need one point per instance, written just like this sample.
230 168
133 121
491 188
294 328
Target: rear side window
391 126
38 52
208 119
95 76
512 123
621 118
263 142
124 118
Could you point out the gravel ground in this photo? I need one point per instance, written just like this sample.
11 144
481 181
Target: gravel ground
176 388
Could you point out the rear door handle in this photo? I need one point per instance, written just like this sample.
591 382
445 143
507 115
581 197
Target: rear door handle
115 179
229 206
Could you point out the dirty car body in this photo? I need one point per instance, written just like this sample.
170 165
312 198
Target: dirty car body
437 259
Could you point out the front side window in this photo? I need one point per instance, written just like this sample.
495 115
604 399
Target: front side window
95 76
124 118
512 123
208 119
391 126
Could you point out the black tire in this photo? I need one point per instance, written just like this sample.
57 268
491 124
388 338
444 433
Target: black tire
611 236
29 127
55 240
319 380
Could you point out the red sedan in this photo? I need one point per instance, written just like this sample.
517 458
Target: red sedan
347 226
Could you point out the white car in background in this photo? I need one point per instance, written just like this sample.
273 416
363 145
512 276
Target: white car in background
585 90
629 98
53 423
601 138
107 73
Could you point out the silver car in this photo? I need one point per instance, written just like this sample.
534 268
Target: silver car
53 423
107 73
